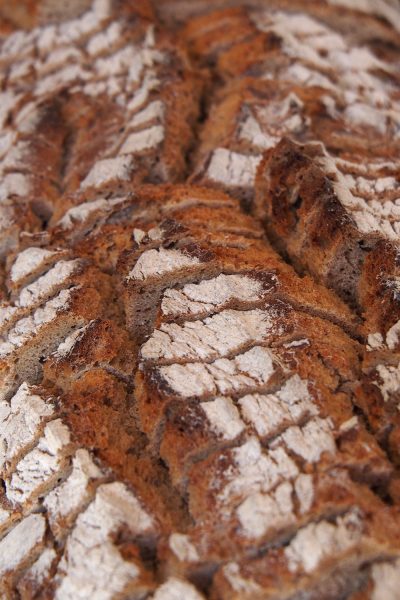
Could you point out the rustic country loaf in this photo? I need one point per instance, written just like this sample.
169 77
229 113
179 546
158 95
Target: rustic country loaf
199 312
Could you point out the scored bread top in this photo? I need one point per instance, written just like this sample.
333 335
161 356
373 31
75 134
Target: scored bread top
199 317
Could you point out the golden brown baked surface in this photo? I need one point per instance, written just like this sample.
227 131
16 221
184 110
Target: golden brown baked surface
199 300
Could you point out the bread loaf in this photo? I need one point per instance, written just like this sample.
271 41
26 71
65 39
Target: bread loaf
199 318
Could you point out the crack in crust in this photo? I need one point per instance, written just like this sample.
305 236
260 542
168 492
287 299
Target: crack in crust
183 413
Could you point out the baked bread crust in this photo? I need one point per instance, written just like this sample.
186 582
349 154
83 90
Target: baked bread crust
199 353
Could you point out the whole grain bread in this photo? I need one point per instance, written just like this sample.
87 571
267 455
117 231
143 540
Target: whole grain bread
199 307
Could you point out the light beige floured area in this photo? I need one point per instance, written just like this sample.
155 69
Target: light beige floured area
315 543
224 417
246 371
311 440
209 338
143 140
388 380
65 502
92 564
68 344
40 571
22 421
206 296
261 511
182 547
304 37
253 471
28 327
45 285
28 261
23 542
176 588
232 169
41 467
155 263
385 580
239 583
109 170
268 412
69 498
373 201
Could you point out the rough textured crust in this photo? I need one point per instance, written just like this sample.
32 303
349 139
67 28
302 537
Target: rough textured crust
198 13
196 401
107 72
329 226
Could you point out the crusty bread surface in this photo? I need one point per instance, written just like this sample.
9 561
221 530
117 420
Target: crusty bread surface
199 300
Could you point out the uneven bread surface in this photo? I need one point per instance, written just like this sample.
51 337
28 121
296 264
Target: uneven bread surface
106 72
199 308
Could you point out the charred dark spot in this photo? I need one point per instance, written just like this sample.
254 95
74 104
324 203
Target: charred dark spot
196 251
268 279
273 41
157 381
170 227
190 421
298 202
